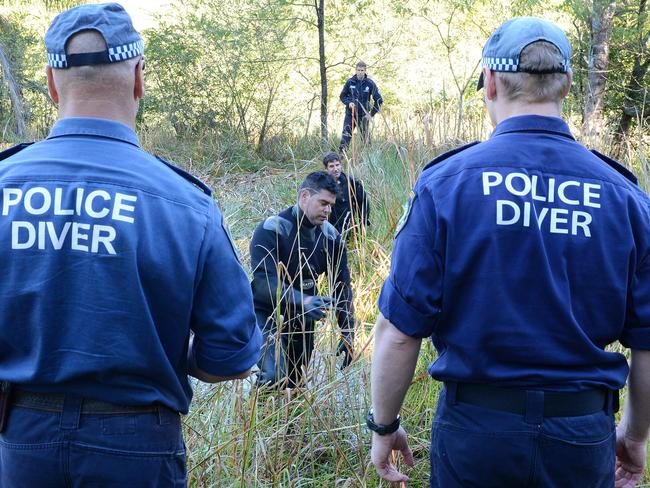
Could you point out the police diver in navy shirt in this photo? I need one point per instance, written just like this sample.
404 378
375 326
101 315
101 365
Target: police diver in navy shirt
356 95
112 260
533 255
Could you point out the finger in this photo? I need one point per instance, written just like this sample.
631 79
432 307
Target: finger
407 454
388 472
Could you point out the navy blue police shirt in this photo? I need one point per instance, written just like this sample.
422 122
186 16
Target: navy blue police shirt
531 257
359 92
109 258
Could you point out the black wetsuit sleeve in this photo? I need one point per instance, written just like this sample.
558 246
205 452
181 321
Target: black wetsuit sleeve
268 286
343 290
264 256
376 96
346 95
361 203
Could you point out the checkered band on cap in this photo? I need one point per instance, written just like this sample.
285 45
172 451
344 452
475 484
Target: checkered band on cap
57 60
127 51
500 64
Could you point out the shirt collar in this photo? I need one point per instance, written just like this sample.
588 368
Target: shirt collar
302 219
75 126
533 123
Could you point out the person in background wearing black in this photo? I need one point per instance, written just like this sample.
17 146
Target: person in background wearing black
289 251
351 209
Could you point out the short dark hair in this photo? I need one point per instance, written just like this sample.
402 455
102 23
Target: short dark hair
361 64
329 157
317 181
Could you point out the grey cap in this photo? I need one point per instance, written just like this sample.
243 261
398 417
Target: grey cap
109 19
503 48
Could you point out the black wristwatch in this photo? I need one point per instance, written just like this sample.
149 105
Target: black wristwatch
381 429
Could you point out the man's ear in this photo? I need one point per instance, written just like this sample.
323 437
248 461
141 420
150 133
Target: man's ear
138 86
568 87
51 86
489 83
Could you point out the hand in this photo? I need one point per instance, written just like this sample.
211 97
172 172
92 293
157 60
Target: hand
345 348
630 461
382 448
367 116
316 306
351 105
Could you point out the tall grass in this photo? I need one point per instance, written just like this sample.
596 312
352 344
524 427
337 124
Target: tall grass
316 436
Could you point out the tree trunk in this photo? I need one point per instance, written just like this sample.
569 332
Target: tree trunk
14 92
635 94
601 30
319 5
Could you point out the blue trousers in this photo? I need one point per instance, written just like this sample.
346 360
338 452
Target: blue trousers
360 123
43 449
473 446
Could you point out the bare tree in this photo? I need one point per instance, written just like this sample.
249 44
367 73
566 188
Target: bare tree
602 17
14 90
636 90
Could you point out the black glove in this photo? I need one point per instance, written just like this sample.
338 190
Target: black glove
317 307
345 348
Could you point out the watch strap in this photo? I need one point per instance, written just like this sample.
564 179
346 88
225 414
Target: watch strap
381 429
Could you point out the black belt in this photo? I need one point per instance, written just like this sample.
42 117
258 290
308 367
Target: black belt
53 402
556 404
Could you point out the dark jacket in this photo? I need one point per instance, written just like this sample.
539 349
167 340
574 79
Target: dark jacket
360 92
351 201
288 254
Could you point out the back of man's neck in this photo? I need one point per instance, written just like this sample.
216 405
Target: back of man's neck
515 110
97 110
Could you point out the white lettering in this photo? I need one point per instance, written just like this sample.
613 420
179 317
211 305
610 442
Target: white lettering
588 195
45 206
104 239
562 195
89 204
58 203
541 217
526 222
500 219
10 197
584 224
490 178
79 200
41 235
78 236
511 188
551 190
556 219
535 195
15 235
119 206
57 241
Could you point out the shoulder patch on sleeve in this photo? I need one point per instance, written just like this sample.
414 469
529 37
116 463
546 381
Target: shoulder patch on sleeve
616 166
329 230
278 224
440 158
233 246
14 150
406 213
187 176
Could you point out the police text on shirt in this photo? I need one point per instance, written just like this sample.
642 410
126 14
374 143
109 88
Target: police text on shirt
529 189
53 232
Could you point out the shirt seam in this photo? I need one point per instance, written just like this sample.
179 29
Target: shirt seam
104 182
560 173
